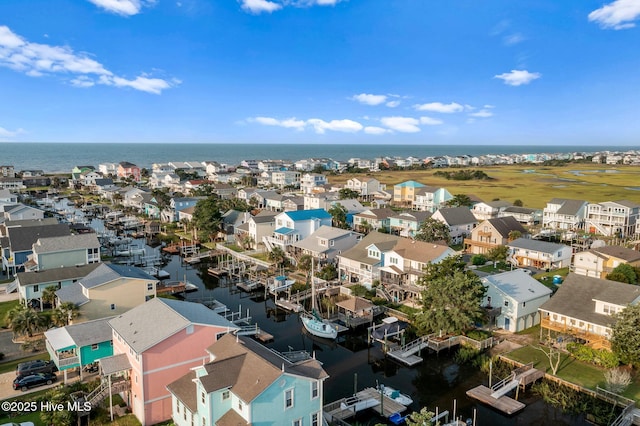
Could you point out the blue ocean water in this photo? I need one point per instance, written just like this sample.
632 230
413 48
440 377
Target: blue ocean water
62 157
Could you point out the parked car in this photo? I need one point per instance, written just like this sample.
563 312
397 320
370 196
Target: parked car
36 366
26 382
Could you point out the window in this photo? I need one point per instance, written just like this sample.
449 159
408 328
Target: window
225 395
239 405
177 406
314 389
113 306
506 303
288 398
36 288
524 304
314 419
297 422
149 286
202 396
204 421
94 347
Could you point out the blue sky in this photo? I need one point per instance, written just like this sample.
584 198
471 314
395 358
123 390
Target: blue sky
543 72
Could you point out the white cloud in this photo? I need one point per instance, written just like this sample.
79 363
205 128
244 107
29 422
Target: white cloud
346 125
483 113
518 77
374 130
401 124
513 39
123 7
430 121
36 60
440 107
617 15
368 99
4 133
259 6
289 123
392 104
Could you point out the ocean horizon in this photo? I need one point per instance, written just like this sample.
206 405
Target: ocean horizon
54 157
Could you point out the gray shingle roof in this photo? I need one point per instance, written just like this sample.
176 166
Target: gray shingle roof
114 364
22 239
108 272
576 298
65 243
73 294
152 322
57 274
536 245
620 252
359 251
569 207
504 225
457 216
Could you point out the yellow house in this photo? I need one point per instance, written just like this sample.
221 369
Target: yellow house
405 193
109 290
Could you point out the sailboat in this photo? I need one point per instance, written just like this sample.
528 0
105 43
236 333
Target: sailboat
313 322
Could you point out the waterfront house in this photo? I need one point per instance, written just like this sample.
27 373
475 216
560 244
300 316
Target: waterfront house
430 198
584 307
30 285
460 221
525 252
310 181
157 343
7 171
564 214
8 198
177 204
18 244
514 298
407 224
77 345
373 219
296 226
232 219
326 243
108 169
489 209
365 187
245 383
600 262
109 290
68 250
493 233
524 215
404 193
257 228
612 218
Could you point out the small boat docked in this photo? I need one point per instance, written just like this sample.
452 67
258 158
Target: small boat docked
396 395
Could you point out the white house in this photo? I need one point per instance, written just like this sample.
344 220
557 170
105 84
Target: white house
525 252
518 296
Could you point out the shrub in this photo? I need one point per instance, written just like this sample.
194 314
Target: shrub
478 260
600 357
466 354
617 379
478 334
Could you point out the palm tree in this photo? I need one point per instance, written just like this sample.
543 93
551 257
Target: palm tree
65 313
24 321
49 295
277 256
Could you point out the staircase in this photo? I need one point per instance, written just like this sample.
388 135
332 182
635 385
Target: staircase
101 392
12 286
505 386
382 292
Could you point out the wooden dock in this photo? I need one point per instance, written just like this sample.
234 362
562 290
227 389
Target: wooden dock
249 286
505 404
288 305
366 398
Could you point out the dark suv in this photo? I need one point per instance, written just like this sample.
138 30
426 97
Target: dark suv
34 367
25 382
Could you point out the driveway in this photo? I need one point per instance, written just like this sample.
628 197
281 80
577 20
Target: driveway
6 383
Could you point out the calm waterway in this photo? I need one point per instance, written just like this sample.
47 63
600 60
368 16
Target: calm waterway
350 363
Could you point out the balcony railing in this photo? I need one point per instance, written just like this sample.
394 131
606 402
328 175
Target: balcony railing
597 341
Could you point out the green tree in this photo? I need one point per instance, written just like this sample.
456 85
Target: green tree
58 417
277 256
64 314
338 213
624 273
459 200
420 418
625 339
24 321
451 298
518 203
304 264
433 230
207 217
162 198
49 295
514 235
348 194
498 254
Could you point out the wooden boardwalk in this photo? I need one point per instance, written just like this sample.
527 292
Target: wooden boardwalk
366 398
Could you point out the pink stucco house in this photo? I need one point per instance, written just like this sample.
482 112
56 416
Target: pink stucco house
155 344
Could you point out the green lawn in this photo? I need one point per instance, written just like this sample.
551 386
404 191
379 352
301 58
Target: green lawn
571 370
6 307
30 417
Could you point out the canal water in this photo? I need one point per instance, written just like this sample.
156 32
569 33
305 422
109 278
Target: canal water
351 364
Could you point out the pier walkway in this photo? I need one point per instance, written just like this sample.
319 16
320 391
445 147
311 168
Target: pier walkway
366 398
406 354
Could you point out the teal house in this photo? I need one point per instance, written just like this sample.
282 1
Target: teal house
246 383
76 346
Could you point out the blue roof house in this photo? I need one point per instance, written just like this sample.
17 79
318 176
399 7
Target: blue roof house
297 225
